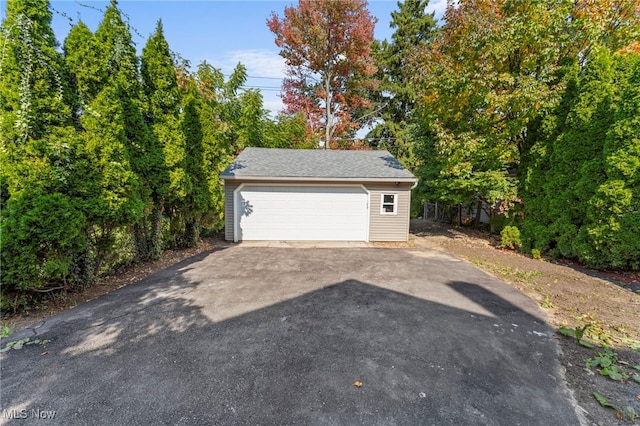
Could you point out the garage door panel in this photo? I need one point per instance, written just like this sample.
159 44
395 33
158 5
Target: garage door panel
302 213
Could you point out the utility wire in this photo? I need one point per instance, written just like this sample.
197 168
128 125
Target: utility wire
262 87
255 76
266 78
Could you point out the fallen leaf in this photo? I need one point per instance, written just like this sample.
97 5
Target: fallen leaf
357 384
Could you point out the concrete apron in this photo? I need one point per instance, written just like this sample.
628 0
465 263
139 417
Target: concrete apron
306 244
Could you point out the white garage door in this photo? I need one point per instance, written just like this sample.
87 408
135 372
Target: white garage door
301 213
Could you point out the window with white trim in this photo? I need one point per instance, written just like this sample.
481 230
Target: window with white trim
389 204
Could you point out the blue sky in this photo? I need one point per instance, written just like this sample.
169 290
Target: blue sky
221 32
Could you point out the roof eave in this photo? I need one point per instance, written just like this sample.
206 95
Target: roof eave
319 179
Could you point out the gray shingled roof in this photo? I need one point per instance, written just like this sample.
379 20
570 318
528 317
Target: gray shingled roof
315 164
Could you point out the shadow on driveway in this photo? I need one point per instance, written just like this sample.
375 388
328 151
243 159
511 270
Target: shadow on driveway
154 353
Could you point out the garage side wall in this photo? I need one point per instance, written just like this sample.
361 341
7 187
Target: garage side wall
229 187
389 227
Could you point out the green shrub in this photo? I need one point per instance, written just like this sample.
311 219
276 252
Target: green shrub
536 254
581 201
510 237
40 236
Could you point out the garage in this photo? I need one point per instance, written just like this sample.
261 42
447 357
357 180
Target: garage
304 213
316 195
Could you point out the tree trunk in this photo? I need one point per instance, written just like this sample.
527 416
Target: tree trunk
492 214
191 233
156 232
478 215
327 131
147 233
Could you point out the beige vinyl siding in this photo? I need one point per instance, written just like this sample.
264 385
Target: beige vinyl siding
387 227
229 187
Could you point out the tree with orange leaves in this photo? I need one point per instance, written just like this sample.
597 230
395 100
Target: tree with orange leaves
326 46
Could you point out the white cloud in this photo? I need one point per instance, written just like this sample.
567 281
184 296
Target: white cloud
265 69
437 6
259 62
272 103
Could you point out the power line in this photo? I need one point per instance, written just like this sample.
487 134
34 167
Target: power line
262 87
266 78
260 90
255 76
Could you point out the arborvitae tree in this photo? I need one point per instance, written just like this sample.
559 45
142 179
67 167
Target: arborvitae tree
117 53
116 139
536 164
163 98
120 62
83 143
217 149
33 90
197 200
159 77
41 224
576 162
163 114
580 194
114 195
611 235
82 58
579 149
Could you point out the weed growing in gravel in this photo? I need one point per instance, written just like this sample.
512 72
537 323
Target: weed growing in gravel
605 362
606 335
547 303
527 276
506 272
5 330
626 412
19 344
578 333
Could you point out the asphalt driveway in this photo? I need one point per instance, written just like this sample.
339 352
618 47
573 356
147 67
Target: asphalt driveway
250 335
